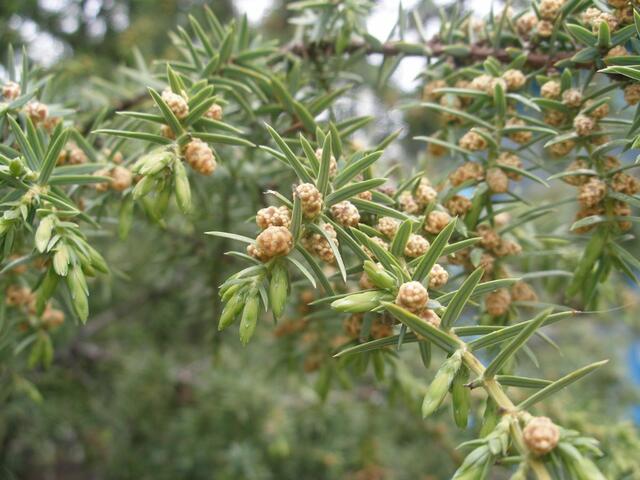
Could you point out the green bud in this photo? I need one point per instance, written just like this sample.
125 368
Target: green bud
359 302
441 383
475 465
77 274
46 289
474 472
85 261
155 162
16 167
143 187
460 397
278 289
78 289
230 311
249 317
97 261
142 161
61 260
88 270
496 443
44 231
379 276
228 291
490 417
162 202
182 188
498 439
148 205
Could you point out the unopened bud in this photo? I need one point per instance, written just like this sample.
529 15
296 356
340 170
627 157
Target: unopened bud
378 275
230 311
182 188
441 383
249 318
358 302
278 289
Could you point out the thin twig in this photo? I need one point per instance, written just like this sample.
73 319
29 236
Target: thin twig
434 48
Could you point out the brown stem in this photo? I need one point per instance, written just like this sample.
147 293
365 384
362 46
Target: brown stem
497 393
433 48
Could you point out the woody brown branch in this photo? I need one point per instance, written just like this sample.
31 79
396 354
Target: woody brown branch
434 48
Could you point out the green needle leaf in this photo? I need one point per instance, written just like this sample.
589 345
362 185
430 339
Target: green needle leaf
232 236
429 259
334 248
317 270
294 162
325 166
480 289
353 189
401 238
25 146
147 137
422 327
512 347
522 382
51 157
560 384
460 299
354 169
220 138
505 333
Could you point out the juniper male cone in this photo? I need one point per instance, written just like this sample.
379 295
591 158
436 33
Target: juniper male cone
449 254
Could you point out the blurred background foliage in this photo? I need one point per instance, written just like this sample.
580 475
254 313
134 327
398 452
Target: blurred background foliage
100 34
150 390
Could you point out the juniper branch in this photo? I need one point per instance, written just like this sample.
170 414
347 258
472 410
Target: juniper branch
497 392
434 48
